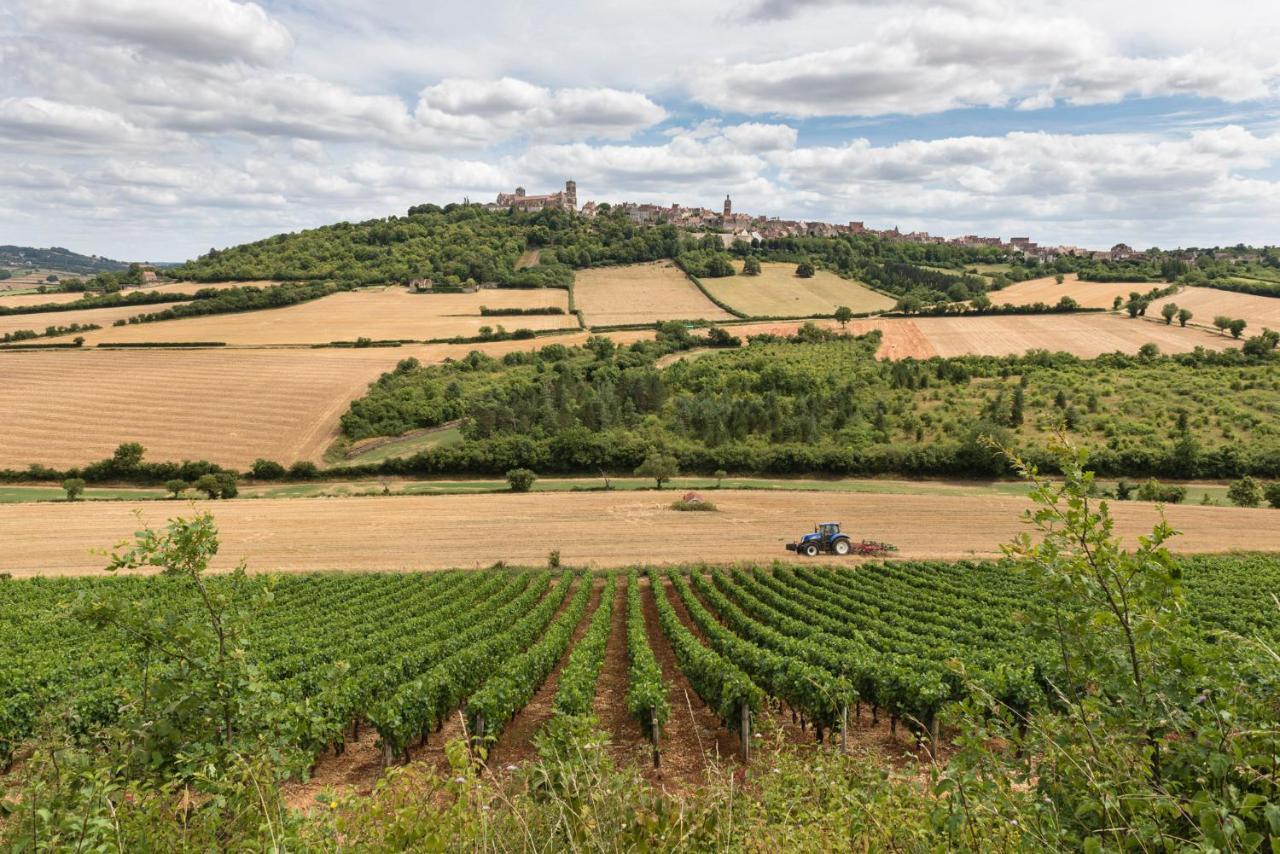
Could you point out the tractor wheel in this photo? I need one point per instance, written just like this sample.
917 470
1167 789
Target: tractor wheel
810 549
840 547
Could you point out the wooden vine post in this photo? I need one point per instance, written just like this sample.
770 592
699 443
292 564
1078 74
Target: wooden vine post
844 728
745 730
653 728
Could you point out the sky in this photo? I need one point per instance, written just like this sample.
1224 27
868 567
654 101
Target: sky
158 129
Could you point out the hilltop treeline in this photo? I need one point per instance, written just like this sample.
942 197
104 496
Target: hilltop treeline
822 403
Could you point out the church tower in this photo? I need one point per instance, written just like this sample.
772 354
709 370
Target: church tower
571 195
728 207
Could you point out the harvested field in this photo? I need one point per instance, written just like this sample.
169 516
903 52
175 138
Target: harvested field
18 300
68 408
1085 335
778 292
387 313
641 293
192 287
599 529
104 317
1048 291
900 337
1207 303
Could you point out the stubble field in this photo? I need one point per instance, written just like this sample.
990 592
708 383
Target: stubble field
68 408
1048 291
386 313
589 529
641 293
1207 303
778 292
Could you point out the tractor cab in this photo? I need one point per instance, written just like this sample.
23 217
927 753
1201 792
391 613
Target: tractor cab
827 530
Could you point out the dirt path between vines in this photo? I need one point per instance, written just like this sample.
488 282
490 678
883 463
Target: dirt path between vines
627 744
515 744
693 734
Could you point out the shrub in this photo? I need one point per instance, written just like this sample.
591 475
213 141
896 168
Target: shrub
1154 490
74 487
521 480
1272 494
1245 492
693 505
175 487
266 470
303 470
805 270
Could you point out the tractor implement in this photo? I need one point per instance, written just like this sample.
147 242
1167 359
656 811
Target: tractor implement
828 539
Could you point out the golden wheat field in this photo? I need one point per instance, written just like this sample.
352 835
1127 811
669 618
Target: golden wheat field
383 313
8 300
1087 294
778 292
1207 303
589 529
641 293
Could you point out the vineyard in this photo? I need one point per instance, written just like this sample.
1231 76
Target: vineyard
403 653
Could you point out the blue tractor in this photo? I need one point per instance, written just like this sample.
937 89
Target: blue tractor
827 538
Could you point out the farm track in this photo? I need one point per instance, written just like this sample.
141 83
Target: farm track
627 744
603 529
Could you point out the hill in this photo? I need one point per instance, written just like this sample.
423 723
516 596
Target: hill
15 258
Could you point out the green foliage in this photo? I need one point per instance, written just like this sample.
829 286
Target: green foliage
267 470
822 402
1154 490
646 690
694 506
577 687
74 487
219 485
176 487
1272 493
706 264
1245 492
751 266
521 480
659 466
1160 732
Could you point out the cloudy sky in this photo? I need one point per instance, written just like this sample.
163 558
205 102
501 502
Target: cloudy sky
156 129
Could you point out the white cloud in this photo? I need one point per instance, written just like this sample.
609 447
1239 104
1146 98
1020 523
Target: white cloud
48 124
486 109
938 60
211 30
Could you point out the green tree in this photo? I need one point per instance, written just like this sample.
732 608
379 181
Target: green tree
1272 493
1237 327
175 487
127 457
74 487
1059 278
266 470
521 480
1184 314
843 315
1245 492
210 485
1168 311
751 266
720 475
805 270
1222 322
659 466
